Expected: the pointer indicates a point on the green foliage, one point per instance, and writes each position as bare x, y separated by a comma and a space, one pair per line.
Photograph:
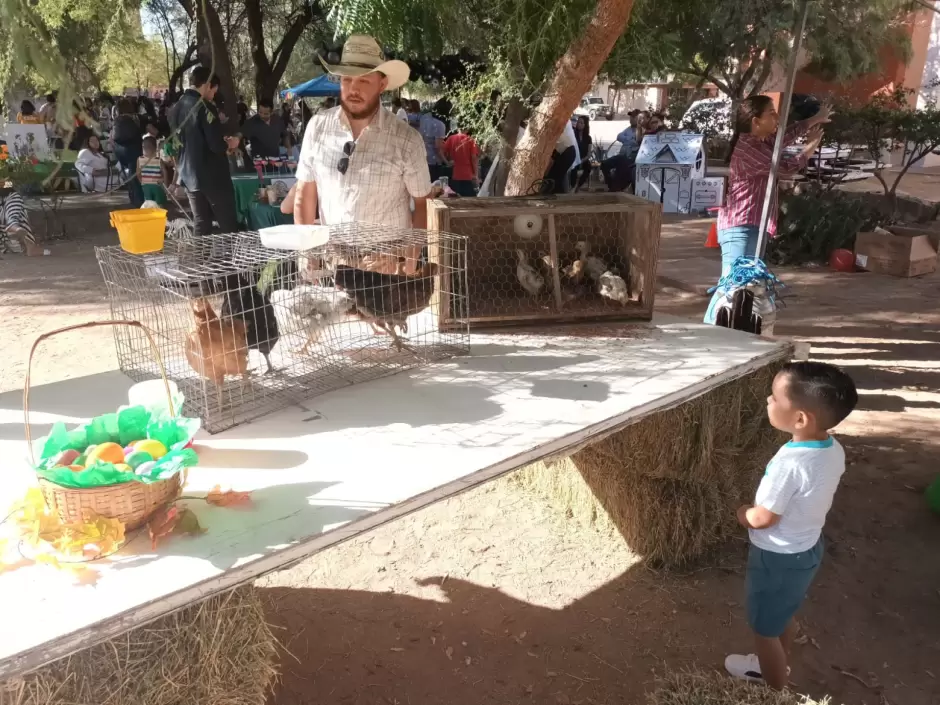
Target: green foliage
816, 221
734, 43
887, 128
59, 44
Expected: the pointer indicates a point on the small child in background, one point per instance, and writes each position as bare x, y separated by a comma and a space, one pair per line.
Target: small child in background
149, 172
786, 520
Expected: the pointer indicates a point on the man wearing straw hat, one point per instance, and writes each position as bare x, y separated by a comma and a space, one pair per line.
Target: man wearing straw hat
358, 162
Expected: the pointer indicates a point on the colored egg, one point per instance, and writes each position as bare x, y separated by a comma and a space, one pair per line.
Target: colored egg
67, 457
76, 468
128, 450
137, 458
81, 460
145, 468
123, 467
155, 448
106, 453
90, 448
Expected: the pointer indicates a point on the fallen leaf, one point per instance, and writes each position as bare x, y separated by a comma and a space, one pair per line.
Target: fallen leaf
162, 525
229, 498
449, 651
801, 639
468, 660
47, 559
187, 524
396, 649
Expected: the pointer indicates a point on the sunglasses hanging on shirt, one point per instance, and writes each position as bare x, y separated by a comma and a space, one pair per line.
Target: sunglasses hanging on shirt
343, 165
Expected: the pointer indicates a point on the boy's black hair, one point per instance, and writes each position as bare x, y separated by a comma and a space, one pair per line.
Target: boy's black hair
822, 389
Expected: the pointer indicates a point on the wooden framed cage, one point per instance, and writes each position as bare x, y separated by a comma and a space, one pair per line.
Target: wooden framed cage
565, 258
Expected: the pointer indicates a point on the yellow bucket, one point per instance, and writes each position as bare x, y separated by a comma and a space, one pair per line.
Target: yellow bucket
140, 231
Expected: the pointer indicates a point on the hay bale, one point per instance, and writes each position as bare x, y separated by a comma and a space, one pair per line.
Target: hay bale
712, 688
670, 482
218, 652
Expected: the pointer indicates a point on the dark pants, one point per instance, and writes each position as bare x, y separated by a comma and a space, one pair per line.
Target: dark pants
558, 172
127, 157
438, 170
214, 204
618, 171
580, 174
463, 188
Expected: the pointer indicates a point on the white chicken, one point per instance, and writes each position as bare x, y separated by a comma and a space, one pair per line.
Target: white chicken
309, 310
528, 276
595, 267
613, 287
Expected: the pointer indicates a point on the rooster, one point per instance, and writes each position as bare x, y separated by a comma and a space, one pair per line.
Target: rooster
386, 300
242, 301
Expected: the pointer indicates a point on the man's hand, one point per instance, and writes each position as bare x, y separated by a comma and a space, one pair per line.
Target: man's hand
742, 515
232, 141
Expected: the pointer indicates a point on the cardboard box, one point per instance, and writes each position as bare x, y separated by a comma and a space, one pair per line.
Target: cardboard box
901, 255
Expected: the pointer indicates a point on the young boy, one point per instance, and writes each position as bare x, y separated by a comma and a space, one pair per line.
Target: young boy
786, 520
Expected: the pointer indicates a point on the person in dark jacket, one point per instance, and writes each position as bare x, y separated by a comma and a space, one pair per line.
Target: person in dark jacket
126, 135
202, 162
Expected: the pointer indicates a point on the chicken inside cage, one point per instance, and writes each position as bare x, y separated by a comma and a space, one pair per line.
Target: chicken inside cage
245, 330
566, 263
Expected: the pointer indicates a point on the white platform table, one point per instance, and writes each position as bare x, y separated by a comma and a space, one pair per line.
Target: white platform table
348, 461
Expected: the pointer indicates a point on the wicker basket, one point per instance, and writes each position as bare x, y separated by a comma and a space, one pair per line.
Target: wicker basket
133, 503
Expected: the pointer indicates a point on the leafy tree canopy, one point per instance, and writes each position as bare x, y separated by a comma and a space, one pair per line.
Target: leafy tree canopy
735, 43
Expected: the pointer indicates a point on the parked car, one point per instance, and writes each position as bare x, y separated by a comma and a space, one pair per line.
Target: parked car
594, 108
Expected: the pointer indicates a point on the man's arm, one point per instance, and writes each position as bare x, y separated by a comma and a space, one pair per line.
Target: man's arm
211, 127
419, 219
305, 203
439, 148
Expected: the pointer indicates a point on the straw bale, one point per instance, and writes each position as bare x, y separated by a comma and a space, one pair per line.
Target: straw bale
713, 688
218, 652
670, 482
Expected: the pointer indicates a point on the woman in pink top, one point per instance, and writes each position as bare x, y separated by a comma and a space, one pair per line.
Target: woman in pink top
739, 219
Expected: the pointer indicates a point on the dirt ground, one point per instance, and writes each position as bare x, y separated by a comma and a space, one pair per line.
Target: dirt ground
494, 597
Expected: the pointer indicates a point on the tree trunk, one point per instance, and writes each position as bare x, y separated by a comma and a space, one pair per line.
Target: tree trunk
268, 72
213, 52
515, 112
570, 80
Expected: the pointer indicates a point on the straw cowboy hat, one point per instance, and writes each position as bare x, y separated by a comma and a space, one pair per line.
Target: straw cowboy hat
362, 55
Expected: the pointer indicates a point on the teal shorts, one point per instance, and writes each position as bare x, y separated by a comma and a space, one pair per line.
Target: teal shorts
776, 586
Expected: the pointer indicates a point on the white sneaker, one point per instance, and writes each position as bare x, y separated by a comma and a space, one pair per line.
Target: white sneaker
744, 667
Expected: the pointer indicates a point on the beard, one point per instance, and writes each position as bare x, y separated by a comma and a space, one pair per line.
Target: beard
361, 111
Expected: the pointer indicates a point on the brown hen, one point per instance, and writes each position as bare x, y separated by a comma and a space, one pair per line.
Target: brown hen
216, 348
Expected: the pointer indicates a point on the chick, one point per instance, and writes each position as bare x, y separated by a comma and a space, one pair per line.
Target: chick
548, 272
528, 277
595, 267
613, 287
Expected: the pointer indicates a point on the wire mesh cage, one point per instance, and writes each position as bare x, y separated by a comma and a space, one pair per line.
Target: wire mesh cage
245, 330
557, 258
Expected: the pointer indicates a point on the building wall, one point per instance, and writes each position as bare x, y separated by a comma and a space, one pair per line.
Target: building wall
922, 27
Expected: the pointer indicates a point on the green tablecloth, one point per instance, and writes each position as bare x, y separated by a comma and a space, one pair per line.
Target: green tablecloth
262, 215
246, 193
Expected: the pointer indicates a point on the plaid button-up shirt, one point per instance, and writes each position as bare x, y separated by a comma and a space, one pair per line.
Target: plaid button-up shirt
387, 168
747, 182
